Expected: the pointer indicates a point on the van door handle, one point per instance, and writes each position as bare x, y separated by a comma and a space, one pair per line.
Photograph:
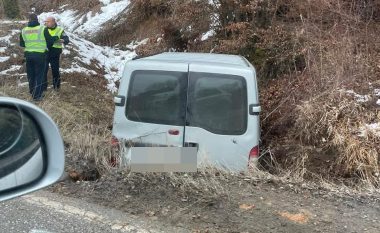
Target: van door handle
191, 144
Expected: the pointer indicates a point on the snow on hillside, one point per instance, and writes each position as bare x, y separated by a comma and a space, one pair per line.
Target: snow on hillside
373, 128
8, 36
7, 39
111, 60
83, 55
77, 26
90, 23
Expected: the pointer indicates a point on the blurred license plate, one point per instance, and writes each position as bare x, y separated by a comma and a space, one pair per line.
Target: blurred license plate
164, 159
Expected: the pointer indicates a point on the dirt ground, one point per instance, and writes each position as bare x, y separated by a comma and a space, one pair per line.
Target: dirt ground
245, 205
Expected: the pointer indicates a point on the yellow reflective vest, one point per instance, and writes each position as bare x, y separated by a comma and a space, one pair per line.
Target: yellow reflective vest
34, 38
56, 32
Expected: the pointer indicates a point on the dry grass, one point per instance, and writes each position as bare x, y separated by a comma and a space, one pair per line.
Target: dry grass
45, 6
84, 121
323, 140
205, 185
331, 119
332, 128
87, 143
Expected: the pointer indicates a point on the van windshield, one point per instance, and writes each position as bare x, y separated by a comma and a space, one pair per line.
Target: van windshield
157, 97
218, 103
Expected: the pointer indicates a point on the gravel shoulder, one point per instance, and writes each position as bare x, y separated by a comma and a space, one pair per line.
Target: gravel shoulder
245, 205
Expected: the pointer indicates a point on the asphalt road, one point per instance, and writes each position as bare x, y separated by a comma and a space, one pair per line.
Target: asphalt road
45, 212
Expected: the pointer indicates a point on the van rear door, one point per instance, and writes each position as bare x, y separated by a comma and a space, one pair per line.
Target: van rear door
218, 120
155, 105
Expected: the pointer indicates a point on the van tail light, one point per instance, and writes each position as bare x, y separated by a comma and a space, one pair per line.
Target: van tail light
114, 141
112, 161
254, 153
253, 156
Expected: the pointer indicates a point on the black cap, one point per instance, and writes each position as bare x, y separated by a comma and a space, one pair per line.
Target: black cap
33, 18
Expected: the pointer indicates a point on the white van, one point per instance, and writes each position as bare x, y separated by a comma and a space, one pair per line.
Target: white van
207, 101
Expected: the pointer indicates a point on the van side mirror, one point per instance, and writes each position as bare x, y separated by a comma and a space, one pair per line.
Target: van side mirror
31, 149
254, 109
119, 100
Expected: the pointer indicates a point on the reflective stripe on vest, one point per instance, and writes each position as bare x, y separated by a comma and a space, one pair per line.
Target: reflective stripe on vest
57, 32
34, 39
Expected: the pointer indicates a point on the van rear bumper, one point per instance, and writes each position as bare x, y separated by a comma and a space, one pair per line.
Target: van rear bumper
131, 144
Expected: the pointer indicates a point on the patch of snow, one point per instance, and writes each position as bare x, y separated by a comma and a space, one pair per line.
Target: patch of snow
3, 49
359, 98
112, 87
108, 12
89, 23
105, 2
78, 69
134, 44
6, 21
13, 22
11, 69
66, 52
110, 59
15, 31
4, 59
23, 84
373, 128
7, 38
207, 35
377, 92
378, 102
63, 6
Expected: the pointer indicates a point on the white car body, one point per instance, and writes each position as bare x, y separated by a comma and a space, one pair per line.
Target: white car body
209, 101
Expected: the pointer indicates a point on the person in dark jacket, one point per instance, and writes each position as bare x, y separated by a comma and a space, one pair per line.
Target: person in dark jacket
37, 41
54, 53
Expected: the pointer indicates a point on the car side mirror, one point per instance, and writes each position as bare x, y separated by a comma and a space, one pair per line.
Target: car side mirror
31, 149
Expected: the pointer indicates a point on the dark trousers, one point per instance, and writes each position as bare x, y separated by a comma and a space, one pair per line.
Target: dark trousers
35, 69
54, 63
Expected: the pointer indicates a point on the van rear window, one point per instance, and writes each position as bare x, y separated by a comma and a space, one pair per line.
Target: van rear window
157, 97
218, 103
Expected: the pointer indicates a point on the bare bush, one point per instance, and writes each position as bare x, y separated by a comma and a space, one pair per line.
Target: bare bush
333, 128
324, 137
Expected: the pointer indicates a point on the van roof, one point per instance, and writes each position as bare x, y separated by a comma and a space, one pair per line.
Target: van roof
212, 58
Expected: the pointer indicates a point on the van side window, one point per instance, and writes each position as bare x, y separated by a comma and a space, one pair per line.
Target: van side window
218, 103
157, 97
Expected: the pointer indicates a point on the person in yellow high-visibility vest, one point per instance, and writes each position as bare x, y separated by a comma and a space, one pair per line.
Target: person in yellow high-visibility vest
37, 41
54, 53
